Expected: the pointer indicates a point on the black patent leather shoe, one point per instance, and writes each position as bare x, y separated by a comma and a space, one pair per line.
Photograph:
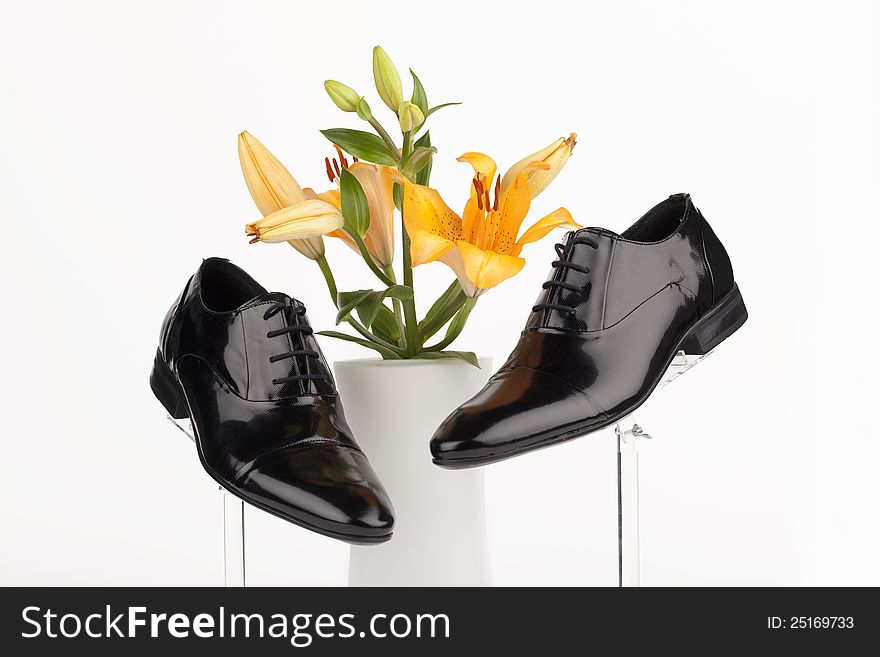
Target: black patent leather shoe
611, 317
243, 365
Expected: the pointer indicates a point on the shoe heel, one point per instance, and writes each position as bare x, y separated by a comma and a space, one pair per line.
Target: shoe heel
717, 326
167, 390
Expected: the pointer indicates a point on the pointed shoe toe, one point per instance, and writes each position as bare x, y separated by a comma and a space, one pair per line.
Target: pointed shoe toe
328, 488
511, 414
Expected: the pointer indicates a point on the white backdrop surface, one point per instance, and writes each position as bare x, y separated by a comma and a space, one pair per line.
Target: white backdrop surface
118, 172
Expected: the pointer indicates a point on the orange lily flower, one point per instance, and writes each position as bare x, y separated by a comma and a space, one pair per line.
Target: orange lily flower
481, 246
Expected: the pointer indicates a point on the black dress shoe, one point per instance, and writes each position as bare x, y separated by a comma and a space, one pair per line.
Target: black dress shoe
243, 364
611, 317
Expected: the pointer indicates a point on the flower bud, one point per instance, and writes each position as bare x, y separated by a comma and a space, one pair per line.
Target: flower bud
342, 95
387, 79
363, 110
270, 183
417, 161
308, 219
409, 115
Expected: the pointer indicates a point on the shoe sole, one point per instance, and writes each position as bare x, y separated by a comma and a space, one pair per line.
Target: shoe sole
708, 332
169, 394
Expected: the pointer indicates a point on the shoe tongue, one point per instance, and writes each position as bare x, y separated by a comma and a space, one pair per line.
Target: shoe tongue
591, 230
274, 297
284, 300
269, 297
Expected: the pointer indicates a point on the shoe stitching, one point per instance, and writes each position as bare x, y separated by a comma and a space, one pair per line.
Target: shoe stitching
573, 331
607, 280
295, 443
246, 468
706, 258
229, 388
247, 365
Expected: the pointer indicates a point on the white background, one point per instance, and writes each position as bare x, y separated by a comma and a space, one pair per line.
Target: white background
119, 172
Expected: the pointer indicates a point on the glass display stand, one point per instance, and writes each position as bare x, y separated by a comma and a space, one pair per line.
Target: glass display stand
233, 524
628, 434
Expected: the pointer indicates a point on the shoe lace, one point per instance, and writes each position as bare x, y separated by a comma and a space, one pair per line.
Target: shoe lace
563, 251
301, 329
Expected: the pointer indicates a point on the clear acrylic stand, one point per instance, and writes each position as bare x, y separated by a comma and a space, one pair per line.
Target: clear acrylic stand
233, 524
628, 434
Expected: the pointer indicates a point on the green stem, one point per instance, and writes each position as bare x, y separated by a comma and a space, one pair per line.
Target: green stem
368, 258
357, 326
456, 326
328, 276
413, 337
395, 151
407, 143
398, 309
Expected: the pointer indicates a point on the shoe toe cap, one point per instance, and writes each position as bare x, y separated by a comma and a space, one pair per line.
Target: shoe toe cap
518, 409
327, 487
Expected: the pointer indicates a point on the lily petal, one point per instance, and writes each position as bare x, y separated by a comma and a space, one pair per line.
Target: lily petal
454, 261
311, 247
378, 186
473, 219
504, 223
483, 165
424, 211
270, 184
553, 157
560, 218
331, 196
485, 268
426, 247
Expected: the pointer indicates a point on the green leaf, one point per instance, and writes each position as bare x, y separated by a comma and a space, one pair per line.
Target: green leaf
387, 354
423, 177
368, 302
385, 325
467, 356
355, 209
363, 145
439, 107
449, 303
369, 308
458, 321
419, 97
348, 301
402, 292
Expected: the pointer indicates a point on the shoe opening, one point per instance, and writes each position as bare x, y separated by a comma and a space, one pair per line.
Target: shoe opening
661, 221
225, 287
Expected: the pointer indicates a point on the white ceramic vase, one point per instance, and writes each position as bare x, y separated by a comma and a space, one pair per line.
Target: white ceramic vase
393, 408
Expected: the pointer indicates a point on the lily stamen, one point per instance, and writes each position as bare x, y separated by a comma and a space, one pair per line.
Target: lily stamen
330, 174
478, 187
342, 160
